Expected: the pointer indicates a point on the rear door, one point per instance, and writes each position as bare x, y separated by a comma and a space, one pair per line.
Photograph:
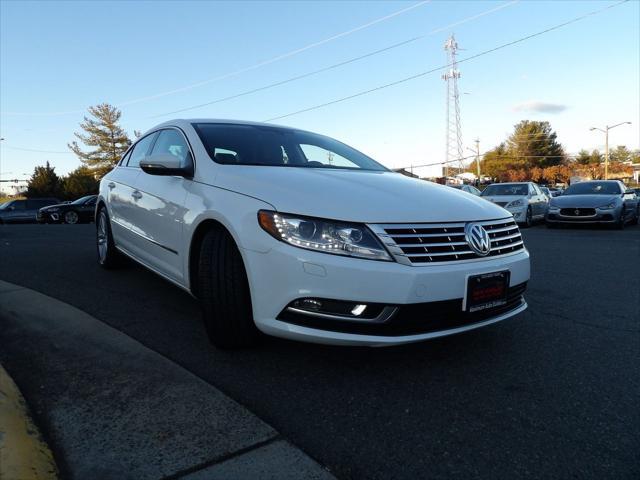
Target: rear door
122, 196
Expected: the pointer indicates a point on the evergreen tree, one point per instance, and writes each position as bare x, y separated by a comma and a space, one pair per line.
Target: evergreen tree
535, 144
80, 182
43, 183
102, 132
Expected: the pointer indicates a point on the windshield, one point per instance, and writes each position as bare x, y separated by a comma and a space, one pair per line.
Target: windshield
516, 189
593, 188
280, 147
5, 205
81, 200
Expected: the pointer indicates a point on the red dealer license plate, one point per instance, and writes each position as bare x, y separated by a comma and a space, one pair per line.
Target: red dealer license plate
488, 290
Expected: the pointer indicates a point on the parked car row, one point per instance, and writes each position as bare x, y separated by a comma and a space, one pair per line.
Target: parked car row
596, 202
48, 210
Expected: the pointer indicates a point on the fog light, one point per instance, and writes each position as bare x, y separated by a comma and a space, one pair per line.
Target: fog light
358, 310
308, 304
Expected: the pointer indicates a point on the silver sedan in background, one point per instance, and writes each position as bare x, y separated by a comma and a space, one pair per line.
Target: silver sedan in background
599, 201
524, 200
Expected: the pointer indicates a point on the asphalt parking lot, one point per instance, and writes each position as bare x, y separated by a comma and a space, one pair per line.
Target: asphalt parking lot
551, 393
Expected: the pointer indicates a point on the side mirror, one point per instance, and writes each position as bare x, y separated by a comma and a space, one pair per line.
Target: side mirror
629, 191
11, 208
167, 165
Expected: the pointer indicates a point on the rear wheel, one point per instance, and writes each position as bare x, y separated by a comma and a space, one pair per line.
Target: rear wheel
223, 289
71, 217
108, 255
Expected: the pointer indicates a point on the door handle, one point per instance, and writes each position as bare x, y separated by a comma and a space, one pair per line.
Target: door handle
136, 194
111, 185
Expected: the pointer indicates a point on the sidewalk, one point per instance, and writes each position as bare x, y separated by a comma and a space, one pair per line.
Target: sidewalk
114, 409
23, 452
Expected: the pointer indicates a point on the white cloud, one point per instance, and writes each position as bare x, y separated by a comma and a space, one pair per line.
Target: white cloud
539, 107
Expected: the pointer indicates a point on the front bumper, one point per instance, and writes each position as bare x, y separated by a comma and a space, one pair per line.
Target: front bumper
286, 273
47, 217
600, 216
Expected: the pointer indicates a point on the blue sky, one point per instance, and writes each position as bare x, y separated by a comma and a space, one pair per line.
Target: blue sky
57, 58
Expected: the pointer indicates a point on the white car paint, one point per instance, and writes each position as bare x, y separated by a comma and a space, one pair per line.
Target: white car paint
154, 219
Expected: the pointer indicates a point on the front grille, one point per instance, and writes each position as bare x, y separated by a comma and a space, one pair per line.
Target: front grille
578, 212
423, 243
414, 319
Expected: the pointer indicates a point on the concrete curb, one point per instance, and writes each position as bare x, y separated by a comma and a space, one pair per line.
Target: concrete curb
115, 409
23, 452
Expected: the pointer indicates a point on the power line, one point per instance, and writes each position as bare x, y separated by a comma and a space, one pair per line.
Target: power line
245, 69
422, 74
34, 150
340, 64
483, 154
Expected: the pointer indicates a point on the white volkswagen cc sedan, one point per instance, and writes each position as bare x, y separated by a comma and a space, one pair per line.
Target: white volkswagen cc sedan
297, 235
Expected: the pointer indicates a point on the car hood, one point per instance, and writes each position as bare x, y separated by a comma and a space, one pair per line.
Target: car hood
57, 205
593, 201
360, 196
505, 198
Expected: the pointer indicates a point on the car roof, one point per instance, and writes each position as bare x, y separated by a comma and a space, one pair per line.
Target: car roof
184, 122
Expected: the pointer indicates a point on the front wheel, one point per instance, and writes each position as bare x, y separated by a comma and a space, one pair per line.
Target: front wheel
224, 293
528, 219
108, 255
71, 217
621, 221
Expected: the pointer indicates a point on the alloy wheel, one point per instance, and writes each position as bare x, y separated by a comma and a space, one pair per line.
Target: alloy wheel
102, 237
71, 217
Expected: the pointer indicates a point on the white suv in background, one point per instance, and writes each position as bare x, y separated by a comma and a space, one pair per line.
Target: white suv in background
297, 235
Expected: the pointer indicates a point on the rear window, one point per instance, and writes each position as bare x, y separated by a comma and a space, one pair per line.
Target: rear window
519, 189
281, 147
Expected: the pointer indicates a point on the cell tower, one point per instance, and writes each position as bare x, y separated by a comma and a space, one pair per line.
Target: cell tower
454, 132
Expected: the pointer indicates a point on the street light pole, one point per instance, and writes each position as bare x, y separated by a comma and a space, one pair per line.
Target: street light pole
606, 144
477, 152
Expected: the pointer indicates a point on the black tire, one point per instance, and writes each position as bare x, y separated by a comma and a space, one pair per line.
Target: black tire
71, 217
108, 257
224, 293
528, 219
621, 221
637, 219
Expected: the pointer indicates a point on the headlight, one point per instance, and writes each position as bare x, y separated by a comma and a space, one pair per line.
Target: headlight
516, 203
328, 236
608, 206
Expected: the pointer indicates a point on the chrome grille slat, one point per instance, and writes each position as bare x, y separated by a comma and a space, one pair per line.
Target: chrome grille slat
425, 243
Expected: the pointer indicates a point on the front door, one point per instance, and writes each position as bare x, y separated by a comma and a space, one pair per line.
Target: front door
160, 209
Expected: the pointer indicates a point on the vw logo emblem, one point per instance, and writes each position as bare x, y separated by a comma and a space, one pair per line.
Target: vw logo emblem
576, 211
478, 239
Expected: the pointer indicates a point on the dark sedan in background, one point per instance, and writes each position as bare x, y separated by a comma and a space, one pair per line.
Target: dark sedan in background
23, 211
600, 201
79, 211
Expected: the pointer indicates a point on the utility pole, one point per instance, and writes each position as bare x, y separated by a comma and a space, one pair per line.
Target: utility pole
606, 144
454, 131
477, 152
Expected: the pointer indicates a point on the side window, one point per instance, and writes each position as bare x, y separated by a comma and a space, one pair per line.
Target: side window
125, 159
325, 157
19, 205
173, 143
140, 150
